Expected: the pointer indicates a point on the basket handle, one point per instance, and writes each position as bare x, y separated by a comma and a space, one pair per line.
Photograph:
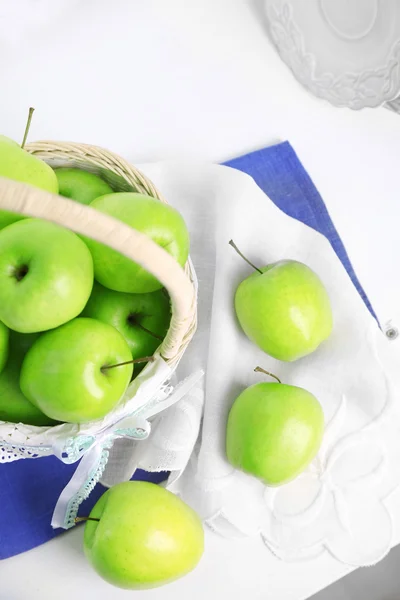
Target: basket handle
34, 202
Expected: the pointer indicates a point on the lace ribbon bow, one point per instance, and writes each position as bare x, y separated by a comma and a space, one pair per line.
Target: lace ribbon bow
93, 450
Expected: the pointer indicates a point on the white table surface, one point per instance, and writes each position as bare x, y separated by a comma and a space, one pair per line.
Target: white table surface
165, 79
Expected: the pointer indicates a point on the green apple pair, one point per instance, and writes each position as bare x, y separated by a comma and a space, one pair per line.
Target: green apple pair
275, 430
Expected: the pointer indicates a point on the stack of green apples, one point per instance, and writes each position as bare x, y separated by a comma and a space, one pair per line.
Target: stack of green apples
76, 317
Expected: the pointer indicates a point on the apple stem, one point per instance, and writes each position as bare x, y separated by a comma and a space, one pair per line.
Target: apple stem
81, 519
232, 243
261, 370
145, 359
27, 127
143, 328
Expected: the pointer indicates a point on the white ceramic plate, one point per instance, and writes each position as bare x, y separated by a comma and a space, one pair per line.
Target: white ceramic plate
346, 51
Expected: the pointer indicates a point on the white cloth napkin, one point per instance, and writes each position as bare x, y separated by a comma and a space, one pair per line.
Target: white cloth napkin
338, 503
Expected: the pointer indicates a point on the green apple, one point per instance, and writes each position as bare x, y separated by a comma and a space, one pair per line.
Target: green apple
14, 407
162, 223
142, 536
143, 319
274, 431
285, 309
7, 217
67, 373
4, 345
80, 185
17, 164
46, 275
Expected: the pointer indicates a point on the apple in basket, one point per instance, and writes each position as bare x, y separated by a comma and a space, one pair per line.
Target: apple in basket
4, 345
17, 164
143, 319
46, 275
151, 217
140, 535
274, 431
14, 406
284, 309
78, 371
79, 185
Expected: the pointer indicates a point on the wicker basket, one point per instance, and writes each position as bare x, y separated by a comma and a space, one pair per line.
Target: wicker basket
123, 177
22, 441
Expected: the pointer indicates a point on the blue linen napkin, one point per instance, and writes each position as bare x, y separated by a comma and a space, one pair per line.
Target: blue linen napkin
29, 488
279, 173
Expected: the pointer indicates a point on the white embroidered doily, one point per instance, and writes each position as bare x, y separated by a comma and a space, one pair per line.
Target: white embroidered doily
339, 502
